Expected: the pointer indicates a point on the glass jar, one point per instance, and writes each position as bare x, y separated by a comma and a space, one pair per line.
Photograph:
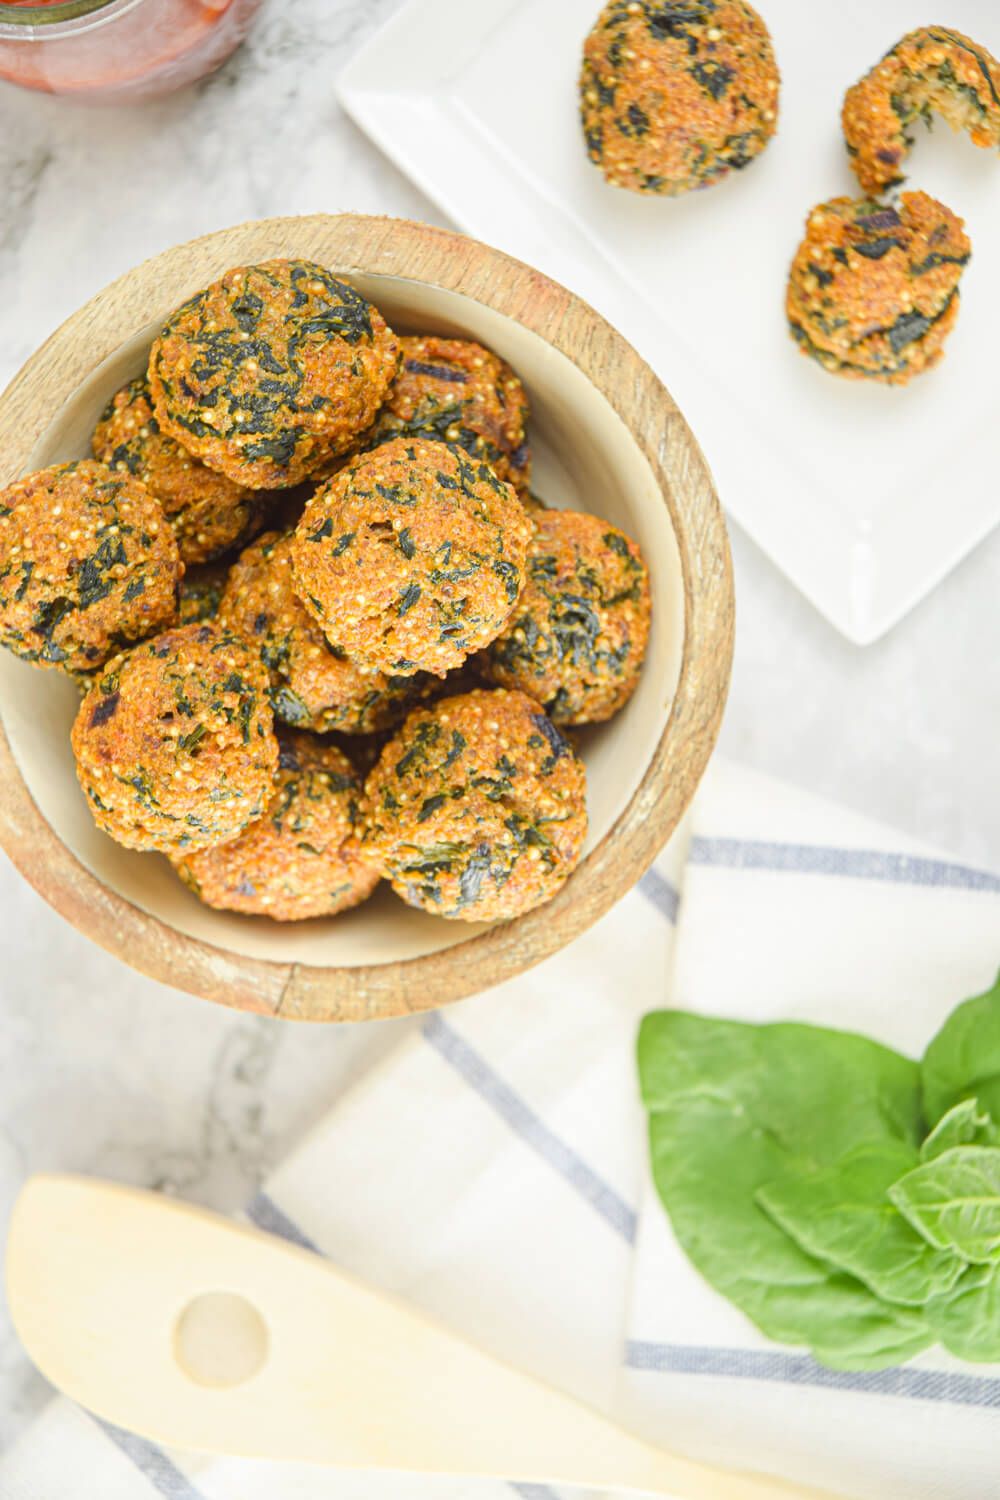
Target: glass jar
108, 50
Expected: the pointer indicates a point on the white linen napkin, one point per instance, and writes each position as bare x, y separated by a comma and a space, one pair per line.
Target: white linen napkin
493, 1170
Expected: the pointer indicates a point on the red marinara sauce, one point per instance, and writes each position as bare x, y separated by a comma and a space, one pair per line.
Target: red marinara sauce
107, 50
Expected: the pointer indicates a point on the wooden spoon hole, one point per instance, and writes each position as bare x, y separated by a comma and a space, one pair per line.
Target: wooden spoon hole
221, 1340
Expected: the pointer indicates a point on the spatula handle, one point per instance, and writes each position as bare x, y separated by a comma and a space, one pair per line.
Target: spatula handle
204, 1335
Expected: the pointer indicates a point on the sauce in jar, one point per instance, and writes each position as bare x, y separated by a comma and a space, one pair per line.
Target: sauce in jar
118, 49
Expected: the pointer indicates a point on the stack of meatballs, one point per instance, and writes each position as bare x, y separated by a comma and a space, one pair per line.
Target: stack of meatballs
325, 634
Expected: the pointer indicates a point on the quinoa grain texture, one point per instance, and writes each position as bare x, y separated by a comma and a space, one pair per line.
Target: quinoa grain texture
455, 391
208, 512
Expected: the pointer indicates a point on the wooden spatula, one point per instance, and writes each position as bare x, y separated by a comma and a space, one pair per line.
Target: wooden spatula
203, 1335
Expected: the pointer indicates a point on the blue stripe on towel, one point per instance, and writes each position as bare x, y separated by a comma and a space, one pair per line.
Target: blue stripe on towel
855, 864
162, 1473
657, 889
513, 1110
265, 1213
950, 1387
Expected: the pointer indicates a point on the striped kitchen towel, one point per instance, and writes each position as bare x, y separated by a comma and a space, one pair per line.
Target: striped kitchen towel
493, 1170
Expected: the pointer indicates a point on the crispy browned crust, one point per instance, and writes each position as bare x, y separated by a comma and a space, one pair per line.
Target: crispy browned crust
458, 392
208, 512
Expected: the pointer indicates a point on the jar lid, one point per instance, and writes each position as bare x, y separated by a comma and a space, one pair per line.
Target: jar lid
49, 12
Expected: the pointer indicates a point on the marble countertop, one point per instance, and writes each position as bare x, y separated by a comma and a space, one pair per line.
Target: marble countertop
104, 1071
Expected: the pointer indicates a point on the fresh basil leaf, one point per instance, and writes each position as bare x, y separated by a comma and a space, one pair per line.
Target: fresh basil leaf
967, 1320
963, 1060
822, 1092
877, 1344
707, 1172
954, 1201
734, 1107
964, 1125
843, 1215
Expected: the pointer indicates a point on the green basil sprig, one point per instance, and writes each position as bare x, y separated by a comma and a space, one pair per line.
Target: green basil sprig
954, 1201
964, 1125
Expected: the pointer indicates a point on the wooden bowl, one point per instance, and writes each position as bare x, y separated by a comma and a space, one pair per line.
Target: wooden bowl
607, 437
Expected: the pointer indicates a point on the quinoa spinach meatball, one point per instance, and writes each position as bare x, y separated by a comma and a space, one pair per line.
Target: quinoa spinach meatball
674, 94
313, 685
174, 743
88, 565
270, 371
412, 557
461, 393
933, 69
208, 512
301, 858
578, 635
873, 291
476, 808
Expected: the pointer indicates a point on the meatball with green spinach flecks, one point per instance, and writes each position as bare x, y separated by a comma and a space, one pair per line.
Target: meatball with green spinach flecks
301, 858
313, 684
412, 557
933, 70
88, 564
476, 808
578, 636
873, 291
271, 371
457, 392
675, 94
174, 743
208, 512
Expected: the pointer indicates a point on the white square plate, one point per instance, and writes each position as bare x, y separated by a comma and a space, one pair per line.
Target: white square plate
864, 495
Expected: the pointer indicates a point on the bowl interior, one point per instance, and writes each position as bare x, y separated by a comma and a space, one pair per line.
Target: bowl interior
585, 458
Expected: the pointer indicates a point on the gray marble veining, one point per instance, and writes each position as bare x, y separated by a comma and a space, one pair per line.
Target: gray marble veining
105, 1071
